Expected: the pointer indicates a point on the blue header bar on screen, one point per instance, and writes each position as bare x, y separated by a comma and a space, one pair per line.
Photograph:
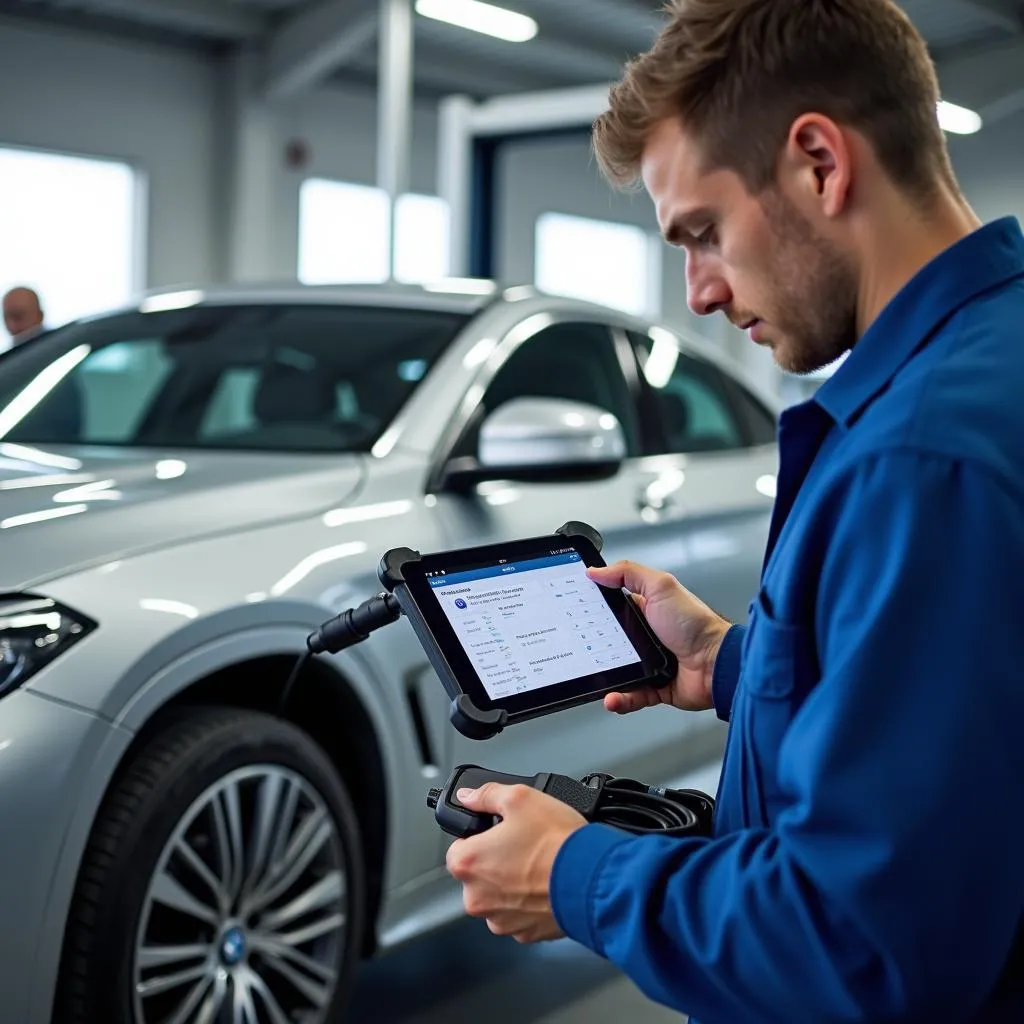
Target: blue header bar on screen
489, 571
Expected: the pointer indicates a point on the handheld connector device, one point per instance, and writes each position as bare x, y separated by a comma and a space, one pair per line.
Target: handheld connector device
622, 803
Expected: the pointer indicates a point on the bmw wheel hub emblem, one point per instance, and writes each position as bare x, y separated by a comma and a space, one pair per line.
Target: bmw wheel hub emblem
232, 947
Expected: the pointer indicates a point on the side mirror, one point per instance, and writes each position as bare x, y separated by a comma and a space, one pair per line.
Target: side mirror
543, 439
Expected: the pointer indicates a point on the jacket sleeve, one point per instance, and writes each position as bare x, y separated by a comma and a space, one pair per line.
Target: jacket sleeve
726, 675
889, 887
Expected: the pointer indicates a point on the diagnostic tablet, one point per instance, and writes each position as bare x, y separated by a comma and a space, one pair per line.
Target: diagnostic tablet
518, 630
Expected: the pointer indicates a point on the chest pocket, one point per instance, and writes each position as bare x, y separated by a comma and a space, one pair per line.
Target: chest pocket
780, 669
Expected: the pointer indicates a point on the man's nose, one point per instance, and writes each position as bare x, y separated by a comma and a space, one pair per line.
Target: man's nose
706, 291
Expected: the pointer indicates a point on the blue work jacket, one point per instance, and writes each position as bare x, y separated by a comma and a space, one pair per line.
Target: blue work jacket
868, 857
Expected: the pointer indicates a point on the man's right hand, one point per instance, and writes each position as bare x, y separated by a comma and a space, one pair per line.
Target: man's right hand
685, 625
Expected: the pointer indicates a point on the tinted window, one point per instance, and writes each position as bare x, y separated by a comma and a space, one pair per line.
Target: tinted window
574, 361
287, 378
691, 399
761, 424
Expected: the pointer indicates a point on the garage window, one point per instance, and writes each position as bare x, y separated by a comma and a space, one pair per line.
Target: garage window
617, 265
70, 229
344, 231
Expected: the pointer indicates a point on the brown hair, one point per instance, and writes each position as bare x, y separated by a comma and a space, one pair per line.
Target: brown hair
740, 72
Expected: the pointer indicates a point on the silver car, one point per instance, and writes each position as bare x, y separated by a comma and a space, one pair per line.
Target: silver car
187, 489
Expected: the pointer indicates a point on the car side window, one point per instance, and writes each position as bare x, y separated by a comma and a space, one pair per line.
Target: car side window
691, 399
576, 362
761, 423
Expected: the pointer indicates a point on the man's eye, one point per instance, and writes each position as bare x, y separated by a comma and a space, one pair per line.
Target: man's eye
707, 237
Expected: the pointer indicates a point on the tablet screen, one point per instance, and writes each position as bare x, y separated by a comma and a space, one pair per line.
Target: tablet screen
532, 623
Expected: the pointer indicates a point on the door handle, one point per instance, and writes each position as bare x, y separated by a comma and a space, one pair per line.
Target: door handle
660, 496
656, 506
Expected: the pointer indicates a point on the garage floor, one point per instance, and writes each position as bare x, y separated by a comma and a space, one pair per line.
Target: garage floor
464, 975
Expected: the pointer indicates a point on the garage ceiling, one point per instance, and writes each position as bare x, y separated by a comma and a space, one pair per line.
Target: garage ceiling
579, 41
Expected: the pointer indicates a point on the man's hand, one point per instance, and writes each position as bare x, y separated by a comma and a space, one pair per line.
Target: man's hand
506, 871
685, 625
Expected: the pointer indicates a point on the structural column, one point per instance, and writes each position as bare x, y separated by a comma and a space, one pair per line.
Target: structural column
249, 177
395, 85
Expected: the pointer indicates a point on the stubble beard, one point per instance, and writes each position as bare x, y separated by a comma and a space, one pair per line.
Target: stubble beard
815, 316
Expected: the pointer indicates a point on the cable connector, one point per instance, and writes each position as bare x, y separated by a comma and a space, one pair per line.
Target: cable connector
354, 625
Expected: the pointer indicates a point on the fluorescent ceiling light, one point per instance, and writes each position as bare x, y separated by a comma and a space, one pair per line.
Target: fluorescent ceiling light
958, 120
480, 17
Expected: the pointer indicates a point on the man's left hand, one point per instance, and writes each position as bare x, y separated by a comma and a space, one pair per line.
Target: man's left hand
506, 871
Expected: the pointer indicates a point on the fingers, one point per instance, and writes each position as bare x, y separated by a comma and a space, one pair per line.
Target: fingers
636, 578
491, 798
626, 703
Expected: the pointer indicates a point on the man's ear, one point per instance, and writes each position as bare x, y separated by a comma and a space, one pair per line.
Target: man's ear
817, 160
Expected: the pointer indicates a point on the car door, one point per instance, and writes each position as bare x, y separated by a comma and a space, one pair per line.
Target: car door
588, 362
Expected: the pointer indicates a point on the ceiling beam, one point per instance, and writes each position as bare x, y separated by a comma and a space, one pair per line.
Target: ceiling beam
1005, 14
312, 46
539, 110
213, 18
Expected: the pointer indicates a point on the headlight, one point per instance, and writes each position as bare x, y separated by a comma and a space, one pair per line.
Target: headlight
34, 631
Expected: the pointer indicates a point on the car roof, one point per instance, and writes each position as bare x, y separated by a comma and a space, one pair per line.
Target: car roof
454, 295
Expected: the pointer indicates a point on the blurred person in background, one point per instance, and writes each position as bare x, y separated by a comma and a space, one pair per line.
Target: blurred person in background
23, 315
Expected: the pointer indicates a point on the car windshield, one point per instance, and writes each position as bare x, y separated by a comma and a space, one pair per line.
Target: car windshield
268, 378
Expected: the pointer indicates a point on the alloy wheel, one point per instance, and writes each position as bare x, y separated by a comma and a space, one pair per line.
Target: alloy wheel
245, 916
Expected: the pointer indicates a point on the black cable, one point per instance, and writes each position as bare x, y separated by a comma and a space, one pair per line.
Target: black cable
349, 628
300, 664
639, 809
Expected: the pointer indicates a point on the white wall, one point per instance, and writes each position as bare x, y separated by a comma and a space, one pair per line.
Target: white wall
150, 107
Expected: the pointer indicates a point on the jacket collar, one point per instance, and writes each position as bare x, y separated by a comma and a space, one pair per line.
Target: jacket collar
987, 258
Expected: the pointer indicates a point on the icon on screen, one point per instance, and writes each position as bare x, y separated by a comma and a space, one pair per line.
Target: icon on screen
461, 604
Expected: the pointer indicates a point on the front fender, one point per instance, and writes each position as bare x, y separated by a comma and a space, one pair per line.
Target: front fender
153, 682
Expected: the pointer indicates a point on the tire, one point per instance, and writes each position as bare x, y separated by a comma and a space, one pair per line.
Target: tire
207, 769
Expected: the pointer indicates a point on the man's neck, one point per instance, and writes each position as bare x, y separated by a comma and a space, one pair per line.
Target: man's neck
908, 240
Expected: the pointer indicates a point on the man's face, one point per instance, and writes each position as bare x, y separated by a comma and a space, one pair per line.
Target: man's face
757, 259
21, 312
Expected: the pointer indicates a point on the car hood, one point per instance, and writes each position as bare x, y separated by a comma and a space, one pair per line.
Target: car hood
62, 510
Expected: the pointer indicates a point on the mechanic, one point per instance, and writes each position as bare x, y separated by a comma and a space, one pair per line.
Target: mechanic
868, 856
